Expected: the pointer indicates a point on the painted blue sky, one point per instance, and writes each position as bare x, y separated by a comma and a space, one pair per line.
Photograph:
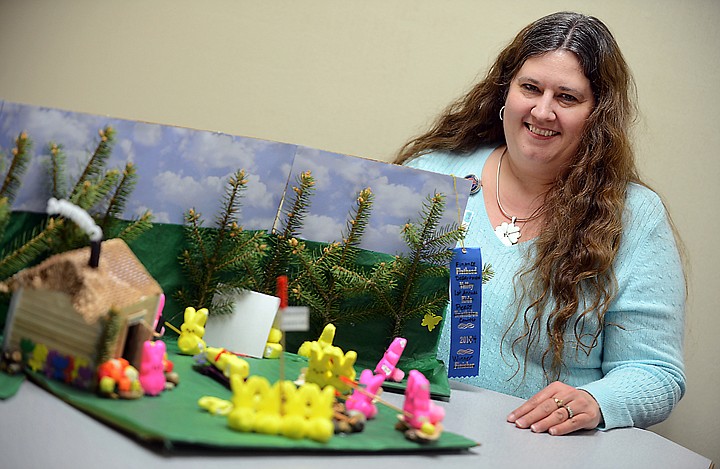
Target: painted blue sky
180, 168
399, 193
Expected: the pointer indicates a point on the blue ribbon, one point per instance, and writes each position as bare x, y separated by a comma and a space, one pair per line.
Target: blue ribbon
465, 306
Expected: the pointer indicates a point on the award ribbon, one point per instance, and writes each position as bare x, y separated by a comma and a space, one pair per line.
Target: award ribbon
465, 306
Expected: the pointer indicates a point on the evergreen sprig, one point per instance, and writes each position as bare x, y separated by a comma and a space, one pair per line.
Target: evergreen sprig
280, 244
4, 215
18, 166
317, 285
13, 178
136, 227
487, 273
94, 188
57, 170
89, 195
116, 203
92, 193
108, 337
216, 259
26, 249
118, 199
103, 193
398, 288
96, 164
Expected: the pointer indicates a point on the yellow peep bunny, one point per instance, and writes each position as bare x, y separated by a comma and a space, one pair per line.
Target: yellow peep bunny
192, 331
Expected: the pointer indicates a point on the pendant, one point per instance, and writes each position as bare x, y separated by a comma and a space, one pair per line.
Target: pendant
508, 233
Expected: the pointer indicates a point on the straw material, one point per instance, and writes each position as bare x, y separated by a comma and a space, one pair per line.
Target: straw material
119, 281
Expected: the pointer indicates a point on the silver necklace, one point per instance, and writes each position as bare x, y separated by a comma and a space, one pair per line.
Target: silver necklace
508, 233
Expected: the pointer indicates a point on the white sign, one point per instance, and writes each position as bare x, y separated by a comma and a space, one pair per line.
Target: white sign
246, 329
294, 318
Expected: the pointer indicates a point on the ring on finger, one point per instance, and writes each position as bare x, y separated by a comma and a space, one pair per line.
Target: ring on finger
569, 410
558, 402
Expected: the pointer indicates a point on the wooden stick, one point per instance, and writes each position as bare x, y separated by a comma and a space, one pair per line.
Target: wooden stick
282, 293
172, 327
375, 397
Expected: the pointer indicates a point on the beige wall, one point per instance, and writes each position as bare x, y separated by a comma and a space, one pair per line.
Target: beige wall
361, 77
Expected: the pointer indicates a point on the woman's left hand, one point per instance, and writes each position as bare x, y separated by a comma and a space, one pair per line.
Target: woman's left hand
558, 409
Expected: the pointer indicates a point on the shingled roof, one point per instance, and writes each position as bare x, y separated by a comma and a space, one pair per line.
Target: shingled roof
120, 279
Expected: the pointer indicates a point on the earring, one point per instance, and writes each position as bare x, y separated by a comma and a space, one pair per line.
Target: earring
502, 111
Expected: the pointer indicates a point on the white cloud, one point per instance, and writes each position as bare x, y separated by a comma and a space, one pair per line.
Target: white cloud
160, 217
313, 161
385, 238
157, 217
46, 125
359, 168
322, 228
396, 200
186, 192
147, 134
257, 194
126, 147
215, 150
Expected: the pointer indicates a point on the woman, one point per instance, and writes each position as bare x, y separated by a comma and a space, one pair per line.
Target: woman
584, 316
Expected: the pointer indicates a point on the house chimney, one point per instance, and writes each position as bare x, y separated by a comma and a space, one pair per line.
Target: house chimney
83, 220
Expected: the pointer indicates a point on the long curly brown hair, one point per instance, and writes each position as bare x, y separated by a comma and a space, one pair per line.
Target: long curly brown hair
573, 254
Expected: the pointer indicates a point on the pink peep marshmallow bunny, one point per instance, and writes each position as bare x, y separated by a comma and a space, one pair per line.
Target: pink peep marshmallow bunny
361, 400
387, 366
418, 407
152, 372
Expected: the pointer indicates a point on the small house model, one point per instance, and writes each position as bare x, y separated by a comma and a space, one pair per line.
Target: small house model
67, 317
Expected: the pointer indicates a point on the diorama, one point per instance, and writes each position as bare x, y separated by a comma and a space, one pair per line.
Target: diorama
276, 288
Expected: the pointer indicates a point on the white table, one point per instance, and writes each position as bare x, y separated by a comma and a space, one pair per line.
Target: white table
38, 430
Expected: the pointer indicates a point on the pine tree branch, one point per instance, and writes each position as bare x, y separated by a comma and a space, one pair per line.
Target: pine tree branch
92, 187
279, 262
216, 257
356, 225
109, 334
18, 166
5, 212
137, 227
118, 199
398, 289
487, 273
224, 224
57, 171
97, 161
30, 249
242, 250
318, 282
193, 225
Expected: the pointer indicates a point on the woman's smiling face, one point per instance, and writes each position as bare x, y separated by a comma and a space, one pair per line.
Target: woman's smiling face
547, 106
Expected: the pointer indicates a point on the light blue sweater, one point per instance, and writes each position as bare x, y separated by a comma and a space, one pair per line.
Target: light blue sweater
636, 371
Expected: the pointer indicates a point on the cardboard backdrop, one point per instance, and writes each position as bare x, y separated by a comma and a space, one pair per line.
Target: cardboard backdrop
180, 168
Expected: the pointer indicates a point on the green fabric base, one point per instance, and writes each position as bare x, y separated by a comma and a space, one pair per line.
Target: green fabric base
174, 418
9, 385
